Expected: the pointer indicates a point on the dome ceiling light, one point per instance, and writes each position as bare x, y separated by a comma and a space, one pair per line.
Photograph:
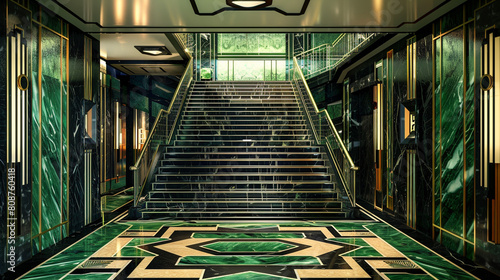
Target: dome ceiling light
249, 4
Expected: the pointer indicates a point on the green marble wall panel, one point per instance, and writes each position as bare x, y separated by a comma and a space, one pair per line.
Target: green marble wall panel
64, 135
139, 102
51, 237
452, 137
437, 131
156, 107
51, 20
450, 241
35, 130
50, 161
469, 132
452, 19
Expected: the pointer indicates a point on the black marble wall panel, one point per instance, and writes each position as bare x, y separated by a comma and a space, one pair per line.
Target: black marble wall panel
3, 136
486, 253
96, 180
399, 151
76, 130
423, 165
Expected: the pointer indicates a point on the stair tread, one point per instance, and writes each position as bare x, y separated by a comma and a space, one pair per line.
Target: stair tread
245, 159
266, 191
246, 182
248, 166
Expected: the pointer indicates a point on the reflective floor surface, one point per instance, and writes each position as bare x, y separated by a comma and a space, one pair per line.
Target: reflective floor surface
256, 250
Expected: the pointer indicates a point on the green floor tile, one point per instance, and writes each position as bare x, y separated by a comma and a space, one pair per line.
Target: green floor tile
249, 235
145, 241
404, 276
73, 256
93, 276
256, 246
250, 275
133, 252
249, 260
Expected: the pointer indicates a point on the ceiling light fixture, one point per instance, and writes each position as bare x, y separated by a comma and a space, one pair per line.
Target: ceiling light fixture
153, 50
249, 4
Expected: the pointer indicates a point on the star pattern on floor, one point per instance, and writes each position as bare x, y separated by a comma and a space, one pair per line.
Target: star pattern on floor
254, 252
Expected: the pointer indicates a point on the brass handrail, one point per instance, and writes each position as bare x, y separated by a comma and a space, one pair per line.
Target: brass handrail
333, 129
161, 114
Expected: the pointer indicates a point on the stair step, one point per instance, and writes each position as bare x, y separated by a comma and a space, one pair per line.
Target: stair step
174, 195
187, 170
243, 143
194, 178
239, 205
253, 149
243, 214
245, 118
246, 113
261, 184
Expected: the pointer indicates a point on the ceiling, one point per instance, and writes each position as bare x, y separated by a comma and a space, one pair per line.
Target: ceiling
120, 52
120, 25
282, 16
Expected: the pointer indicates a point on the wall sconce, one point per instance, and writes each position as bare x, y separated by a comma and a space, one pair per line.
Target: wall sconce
489, 123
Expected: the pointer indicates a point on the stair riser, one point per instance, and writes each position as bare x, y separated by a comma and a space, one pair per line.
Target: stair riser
203, 196
205, 170
250, 214
277, 143
250, 178
242, 205
239, 186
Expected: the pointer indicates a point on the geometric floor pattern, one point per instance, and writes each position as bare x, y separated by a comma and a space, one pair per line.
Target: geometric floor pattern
227, 250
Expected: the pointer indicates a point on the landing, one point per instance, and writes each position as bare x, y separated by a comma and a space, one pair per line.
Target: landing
263, 250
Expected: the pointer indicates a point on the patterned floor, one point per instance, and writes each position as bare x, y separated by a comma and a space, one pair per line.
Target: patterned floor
255, 251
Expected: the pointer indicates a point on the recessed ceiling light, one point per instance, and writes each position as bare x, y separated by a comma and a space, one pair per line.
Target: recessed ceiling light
249, 4
153, 50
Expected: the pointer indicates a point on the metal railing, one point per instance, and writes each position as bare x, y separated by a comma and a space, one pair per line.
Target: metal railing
160, 134
326, 134
328, 56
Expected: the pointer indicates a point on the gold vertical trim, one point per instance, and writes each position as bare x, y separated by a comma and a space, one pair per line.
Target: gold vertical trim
440, 135
433, 134
40, 133
67, 131
475, 106
465, 84
60, 130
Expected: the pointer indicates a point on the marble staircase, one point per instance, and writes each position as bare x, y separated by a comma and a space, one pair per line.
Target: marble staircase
243, 150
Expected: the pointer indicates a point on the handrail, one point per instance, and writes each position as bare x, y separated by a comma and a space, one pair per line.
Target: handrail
349, 183
163, 114
326, 57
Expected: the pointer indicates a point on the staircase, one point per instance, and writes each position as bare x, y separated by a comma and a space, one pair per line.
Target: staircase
243, 150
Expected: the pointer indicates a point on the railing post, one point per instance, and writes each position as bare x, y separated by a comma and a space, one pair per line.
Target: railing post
136, 184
